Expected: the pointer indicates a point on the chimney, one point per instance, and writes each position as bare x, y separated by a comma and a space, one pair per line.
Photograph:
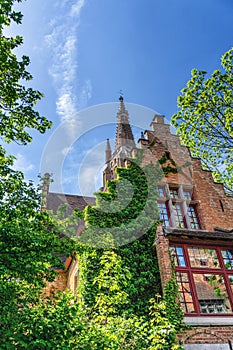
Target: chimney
158, 119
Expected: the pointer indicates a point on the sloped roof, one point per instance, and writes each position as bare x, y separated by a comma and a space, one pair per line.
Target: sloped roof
54, 200
206, 292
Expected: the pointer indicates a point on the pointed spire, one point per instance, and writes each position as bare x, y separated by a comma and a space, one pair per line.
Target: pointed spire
108, 152
122, 105
124, 135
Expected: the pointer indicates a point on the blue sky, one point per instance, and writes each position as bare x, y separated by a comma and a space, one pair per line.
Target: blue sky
83, 52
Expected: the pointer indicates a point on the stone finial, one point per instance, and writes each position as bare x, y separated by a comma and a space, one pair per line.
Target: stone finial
122, 108
45, 190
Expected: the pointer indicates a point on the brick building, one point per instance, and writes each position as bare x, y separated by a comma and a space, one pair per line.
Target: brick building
196, 231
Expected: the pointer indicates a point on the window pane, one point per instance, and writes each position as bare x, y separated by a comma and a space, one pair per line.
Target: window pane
186, 298
173, 192
193, 217
187, 194
227, 256
164, 213
212, 294
203, 257
161, 191
178, 215
177, 256
231, 281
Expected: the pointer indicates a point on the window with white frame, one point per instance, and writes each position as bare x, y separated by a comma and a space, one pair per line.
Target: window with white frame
164, 213
177, 206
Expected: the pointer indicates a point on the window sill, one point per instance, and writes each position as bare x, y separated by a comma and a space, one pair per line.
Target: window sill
206, 346
209, 321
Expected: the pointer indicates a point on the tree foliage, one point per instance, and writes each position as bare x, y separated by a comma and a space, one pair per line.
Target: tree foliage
28, 236
205, 119
17, 100
30, 247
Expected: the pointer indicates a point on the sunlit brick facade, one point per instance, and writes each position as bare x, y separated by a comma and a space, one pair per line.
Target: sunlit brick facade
196, 231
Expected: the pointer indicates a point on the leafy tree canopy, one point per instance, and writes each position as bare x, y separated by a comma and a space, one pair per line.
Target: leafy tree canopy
17, 101
205, 119
24, 235
29, 242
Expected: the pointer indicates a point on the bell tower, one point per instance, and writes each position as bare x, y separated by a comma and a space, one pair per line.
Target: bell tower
124, 144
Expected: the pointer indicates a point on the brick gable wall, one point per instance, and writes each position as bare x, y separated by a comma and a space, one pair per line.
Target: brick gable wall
215, 209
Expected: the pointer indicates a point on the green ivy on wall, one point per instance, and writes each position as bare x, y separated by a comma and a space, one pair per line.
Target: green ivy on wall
119, 280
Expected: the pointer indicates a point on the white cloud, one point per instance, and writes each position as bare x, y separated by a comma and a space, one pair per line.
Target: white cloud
63, 43
66, 106
85, 94
76, 8
22, 164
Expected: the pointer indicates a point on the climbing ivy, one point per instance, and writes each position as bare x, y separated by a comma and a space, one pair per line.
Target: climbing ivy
125, 209
170, 166
119, 282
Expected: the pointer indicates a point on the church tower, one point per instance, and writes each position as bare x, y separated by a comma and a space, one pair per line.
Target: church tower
124, 144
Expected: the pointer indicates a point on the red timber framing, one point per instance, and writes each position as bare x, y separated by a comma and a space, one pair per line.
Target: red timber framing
204, 273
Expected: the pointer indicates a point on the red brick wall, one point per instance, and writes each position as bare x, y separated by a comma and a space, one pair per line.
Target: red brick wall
60, 283
212, 213
162, 248
207, 335
208, 194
